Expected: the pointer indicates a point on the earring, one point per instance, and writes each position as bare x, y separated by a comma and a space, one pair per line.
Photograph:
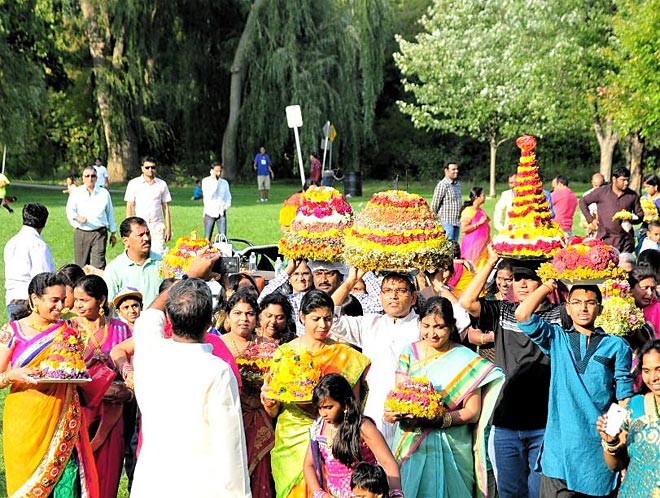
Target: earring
101, 311
345, 411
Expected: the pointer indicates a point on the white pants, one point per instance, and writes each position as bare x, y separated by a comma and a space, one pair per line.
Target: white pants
157, 230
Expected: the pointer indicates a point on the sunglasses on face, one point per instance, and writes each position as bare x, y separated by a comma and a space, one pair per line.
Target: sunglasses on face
89, 176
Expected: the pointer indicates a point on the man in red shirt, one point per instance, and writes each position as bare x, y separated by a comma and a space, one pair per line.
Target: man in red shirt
565, 203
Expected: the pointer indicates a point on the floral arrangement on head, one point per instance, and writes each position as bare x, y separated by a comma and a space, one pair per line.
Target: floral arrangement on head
583, 260
288, 210
178, 258
650, 210
397, 231
317, 231
66, 360
619, 316
292, 377
254, 364
415, 397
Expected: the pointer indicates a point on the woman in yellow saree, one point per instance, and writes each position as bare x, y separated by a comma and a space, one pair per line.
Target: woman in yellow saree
296, 417
446, 458
46, 448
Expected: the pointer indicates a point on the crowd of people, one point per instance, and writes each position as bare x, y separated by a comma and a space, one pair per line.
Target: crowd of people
525, 375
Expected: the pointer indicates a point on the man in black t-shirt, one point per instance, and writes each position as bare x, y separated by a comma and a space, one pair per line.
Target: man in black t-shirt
520, 415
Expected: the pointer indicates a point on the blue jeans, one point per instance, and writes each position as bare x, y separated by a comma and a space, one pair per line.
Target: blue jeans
513, 455
209, 221
452, 231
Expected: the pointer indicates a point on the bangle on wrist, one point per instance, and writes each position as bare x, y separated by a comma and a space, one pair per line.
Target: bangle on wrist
483, 339
446, 420
613, 447
396, 493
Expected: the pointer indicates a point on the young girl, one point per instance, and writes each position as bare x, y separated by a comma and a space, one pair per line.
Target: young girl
369, 481
339, 439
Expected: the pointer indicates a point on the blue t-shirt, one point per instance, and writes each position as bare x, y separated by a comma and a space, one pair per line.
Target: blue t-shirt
263, 164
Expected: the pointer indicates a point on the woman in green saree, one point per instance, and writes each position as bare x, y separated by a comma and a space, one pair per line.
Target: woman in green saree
446, 457
296, 413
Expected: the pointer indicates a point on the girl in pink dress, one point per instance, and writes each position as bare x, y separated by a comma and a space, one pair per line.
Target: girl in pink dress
340, 438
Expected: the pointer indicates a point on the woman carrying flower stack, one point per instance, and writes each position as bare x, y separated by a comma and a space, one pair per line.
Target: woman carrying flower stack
41, 457
475, 228
295, 369
446, 456
103, 398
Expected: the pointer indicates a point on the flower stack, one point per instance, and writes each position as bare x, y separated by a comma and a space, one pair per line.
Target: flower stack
317, 231
66, 359
177, 259
587, 261
530, 232
650, 210
254, 364
397, 231
620, 316
292, 377
415, 397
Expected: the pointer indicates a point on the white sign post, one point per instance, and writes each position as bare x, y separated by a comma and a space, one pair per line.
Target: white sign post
4, 159
294, 120
324, 142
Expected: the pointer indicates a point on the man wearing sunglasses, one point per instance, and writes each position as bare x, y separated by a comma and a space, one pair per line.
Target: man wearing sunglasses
89, 210
149, 198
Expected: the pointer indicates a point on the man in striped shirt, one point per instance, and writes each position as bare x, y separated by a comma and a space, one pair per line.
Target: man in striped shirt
447, 201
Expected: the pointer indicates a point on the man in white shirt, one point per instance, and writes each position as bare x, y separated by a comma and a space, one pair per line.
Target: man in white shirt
149, 198
200, 442
26, 254
102, 179
89, 210
503, 204
217, 200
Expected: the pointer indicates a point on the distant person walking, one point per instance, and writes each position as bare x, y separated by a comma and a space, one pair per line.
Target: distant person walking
102, 179
447, 201
149, 198
565, 203
263, 167
314, 169
89, 210
217, 200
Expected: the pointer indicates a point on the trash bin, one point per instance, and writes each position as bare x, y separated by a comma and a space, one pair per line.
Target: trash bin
353, 184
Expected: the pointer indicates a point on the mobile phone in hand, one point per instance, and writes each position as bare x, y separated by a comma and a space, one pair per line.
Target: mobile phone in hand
616, 415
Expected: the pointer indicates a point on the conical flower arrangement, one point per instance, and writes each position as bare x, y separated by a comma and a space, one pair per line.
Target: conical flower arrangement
530, 233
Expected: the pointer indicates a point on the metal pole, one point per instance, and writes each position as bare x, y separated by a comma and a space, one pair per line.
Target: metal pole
4, 159
300, 161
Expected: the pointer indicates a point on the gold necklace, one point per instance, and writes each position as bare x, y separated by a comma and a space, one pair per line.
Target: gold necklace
235, 347
31, 321
90, 336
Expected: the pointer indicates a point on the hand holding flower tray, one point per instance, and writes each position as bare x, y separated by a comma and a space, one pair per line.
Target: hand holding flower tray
415, 398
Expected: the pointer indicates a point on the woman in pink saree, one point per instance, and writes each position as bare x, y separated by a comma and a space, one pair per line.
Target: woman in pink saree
46, 448
475, 228
104, 397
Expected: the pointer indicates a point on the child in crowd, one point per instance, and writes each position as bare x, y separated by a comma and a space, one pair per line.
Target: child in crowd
4, 200
652, 239
70, 184
369, 481
197, 191
128, 304
339, 439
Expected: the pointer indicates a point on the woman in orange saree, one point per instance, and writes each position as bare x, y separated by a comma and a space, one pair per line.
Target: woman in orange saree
46, 448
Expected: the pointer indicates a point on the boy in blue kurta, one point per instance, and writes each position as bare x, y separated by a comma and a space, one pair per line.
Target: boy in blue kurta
590, 370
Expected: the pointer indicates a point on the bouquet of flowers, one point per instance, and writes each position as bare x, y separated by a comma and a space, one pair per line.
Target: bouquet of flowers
620, 316
584, 260
177, 259
650, 210
623, 215
317, 231
254, 364
292, 377
66, 359
397, 231
415, 397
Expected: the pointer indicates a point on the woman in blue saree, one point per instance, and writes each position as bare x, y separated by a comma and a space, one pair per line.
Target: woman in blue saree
446, 457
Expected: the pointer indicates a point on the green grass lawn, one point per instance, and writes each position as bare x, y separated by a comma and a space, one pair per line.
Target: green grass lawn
247, 219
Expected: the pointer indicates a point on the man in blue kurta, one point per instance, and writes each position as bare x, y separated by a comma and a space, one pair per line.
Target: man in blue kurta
590, 370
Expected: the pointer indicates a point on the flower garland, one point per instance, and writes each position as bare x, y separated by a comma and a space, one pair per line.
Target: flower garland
292, 377
317, 231
397, 231
415, 397
619, 316
623, 215
177, 259
583, 260
650, 210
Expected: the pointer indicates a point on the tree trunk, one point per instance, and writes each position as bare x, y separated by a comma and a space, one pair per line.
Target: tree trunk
636, 148
493, 156
122, 144
607, 140
238, 73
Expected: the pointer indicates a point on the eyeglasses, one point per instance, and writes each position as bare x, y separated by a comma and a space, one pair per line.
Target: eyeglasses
89, 176
149, 167
400, 291
589, 303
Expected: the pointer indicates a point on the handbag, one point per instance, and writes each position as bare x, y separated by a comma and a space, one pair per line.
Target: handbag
102, 376
221, 243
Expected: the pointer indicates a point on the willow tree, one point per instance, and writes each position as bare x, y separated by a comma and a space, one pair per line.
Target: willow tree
327, 56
